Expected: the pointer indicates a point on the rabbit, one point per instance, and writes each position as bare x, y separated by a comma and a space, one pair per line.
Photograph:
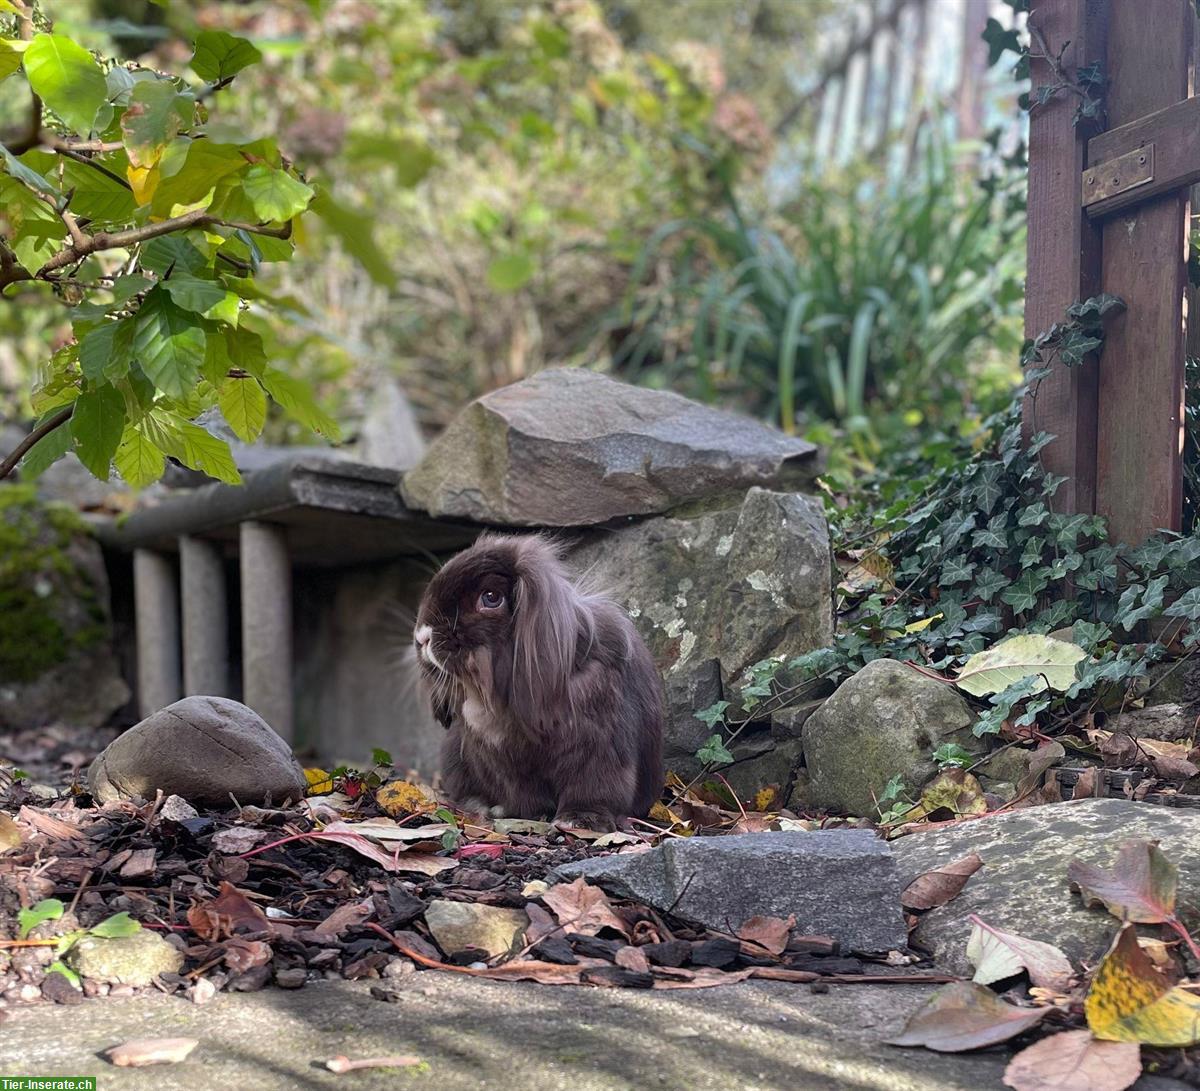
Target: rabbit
551, 698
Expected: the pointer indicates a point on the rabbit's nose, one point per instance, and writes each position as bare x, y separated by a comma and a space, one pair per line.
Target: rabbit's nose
421, 635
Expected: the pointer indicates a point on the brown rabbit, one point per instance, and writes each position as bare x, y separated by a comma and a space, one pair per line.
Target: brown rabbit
552, 701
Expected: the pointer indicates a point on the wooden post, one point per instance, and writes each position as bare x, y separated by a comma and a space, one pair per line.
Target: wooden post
1064, 249
1140, 454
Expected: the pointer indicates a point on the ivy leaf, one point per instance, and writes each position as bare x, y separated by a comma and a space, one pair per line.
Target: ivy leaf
1187, 605
988, 583
1000, 41
714, 752
275, 194
156, 114
1152, 599
1022, 594
66, 77
168, 344
138, 460
244, 406
97, 425
957, 570
219, 55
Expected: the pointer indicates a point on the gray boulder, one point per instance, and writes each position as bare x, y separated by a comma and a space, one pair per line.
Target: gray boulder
714, 592
389, 434
884, 721
570, 447
209, 750
127, 960
56, 641
839, 883
1023, 887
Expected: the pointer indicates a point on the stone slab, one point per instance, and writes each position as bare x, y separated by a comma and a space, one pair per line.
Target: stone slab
475, 1034
1022, 886
840, 883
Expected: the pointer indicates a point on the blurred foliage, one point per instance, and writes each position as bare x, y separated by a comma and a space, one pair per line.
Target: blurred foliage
123, 203
883, 306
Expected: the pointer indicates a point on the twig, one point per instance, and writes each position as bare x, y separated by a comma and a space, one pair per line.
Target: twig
43, 429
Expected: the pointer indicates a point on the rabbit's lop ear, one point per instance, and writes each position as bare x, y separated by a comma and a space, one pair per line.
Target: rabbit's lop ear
550, 618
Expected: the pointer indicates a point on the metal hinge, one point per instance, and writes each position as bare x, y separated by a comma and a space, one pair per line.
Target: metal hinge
1127, 172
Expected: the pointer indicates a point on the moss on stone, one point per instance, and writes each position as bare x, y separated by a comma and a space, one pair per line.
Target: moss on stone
36, 567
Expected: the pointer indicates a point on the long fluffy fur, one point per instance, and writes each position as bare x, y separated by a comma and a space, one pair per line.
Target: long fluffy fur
554, 707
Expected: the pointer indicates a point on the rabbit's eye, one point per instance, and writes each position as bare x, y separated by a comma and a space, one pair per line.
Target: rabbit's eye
491, 600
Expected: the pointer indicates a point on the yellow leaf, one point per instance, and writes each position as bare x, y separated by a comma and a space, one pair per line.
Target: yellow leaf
953, 790
319, 782
659, 813
766, 799
922, 625
399, 798
143, 181
1130, 1001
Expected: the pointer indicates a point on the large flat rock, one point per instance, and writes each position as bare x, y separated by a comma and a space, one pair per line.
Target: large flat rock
570, 447
839, 883
1022, 886
479, 1034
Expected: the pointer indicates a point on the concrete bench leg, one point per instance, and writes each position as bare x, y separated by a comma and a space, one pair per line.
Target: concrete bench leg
205, 618
156, 606
267, 625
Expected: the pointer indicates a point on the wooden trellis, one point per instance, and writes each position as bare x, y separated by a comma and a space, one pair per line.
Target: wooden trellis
1109, 212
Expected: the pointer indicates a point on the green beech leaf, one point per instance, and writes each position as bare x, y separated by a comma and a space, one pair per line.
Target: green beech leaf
28, 175
356, 231
67, 79
97, 425
296, 399
156, 114
96, 196
138, 460
168, 344
10, 56
118, 926
47, 451
48, 909
203, 451
105, 352
205, 164
412, 159
219, 55
193, 294
275, 194
510, 272
244, 406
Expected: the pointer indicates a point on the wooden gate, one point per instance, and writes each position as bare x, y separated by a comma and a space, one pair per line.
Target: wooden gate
1109, 211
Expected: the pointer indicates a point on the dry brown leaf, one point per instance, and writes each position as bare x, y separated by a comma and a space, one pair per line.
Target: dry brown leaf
345, 916
633, 958
1074, 1061
938, 886
997, 954
1090, 784
244, 954
138, 1052
1041, 760
964, 1016
424, 863
342, 1064
769, 933
230, 911
582, 908
10, 833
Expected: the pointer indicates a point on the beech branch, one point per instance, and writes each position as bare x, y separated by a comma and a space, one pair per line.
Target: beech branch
44, 429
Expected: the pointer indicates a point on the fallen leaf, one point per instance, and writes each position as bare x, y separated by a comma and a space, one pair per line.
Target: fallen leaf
766, 799
401, 797
997, 954
492, 852
769, 933
319, 782
1130, 1001
345, 916
341, 1064
230, 911
245, 954
237, 839
1140, 887
424, 863
138, 1052
1041, 760
964, 1016
1048, 660
952, 790
616, 837
632, 958
388, 830
585, 909
1074, 1061
10, 833
1090, 784
938, 886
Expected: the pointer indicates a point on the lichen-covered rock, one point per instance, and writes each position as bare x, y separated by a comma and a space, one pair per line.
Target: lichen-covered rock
885, 721
209, 750
127, 960
570, 447
714, 591
56, 654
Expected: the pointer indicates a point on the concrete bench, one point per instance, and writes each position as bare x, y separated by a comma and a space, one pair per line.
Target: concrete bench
307, 513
